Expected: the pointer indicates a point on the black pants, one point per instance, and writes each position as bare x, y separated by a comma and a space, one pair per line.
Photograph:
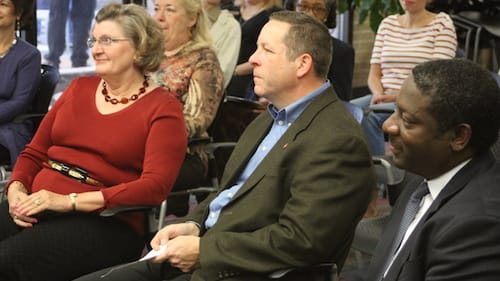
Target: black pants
61, 247
141, 271
146, 271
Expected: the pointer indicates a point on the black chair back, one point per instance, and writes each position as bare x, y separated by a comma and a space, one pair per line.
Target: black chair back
48, 82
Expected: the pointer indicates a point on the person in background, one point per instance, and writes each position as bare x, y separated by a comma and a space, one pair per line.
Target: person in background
80, 13
226, 36
295, 185
191, 70
138, 2
252, 15
402, 42
342, 68
111, 140
19, 78
442, 130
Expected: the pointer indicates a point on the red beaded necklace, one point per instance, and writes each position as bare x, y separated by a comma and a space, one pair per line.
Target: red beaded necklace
124, 100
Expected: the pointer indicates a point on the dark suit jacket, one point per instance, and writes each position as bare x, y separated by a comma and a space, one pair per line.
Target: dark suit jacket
459, 237
341, 69
302, 203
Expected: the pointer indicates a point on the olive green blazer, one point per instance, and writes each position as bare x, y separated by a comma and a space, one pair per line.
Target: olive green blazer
302, 203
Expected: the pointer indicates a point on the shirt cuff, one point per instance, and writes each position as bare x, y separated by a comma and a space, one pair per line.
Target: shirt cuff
195, 223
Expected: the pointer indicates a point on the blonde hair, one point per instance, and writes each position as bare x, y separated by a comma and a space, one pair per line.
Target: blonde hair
201, 35
143, 31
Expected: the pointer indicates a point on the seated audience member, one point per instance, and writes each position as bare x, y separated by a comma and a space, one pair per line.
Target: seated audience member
252, 15
226, 36
295, 186
342, 67
191, 70
112, 139
402, 41
19, 78
442, 130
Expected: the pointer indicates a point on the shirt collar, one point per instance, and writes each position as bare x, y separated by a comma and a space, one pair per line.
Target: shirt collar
438, 184
291, 112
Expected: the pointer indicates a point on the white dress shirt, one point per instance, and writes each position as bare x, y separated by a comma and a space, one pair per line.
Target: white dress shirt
435, 185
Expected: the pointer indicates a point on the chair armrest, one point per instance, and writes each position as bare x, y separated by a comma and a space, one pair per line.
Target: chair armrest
23, 117
3, 181
162, 208
134, 208
121, 209
394, 178
245, 102
382, 108
200, 140
212, 147
3, 174
194, 191
198, 190
393, 174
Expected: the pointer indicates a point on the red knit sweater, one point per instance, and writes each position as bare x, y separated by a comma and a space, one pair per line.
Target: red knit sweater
136, 152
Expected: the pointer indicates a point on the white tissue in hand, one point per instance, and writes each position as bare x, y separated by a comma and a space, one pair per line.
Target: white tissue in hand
153, 253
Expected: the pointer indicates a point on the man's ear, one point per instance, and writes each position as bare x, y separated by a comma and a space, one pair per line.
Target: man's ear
461, 137
304, 64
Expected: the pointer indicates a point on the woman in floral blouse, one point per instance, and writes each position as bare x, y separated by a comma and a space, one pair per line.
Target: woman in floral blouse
192, 71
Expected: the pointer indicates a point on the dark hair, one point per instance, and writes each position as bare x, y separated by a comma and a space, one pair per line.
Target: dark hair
331, 9
307, 35
24, 9
462, 92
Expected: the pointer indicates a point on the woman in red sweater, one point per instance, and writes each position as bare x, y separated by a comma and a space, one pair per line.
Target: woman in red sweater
112, 139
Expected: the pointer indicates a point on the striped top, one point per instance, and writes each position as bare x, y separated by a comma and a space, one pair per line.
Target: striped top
398, 49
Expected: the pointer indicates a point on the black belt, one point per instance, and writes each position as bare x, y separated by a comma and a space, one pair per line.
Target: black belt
76, 173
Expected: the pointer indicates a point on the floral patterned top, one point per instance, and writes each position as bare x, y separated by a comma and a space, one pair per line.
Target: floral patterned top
194, 74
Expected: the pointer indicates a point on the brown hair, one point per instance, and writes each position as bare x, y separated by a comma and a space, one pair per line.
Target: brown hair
307, 35
142, 30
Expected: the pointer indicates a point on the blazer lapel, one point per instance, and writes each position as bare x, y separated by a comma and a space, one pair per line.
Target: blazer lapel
382, 251
475, 167
245, 148
301, 124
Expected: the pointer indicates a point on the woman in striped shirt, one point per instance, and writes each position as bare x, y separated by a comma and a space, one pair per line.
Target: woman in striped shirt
402, 42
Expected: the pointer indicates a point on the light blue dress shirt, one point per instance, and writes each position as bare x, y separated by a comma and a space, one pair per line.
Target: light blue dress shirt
282, 120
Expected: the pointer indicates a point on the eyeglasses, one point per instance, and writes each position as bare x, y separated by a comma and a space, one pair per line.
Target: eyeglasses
104, 41
317, 10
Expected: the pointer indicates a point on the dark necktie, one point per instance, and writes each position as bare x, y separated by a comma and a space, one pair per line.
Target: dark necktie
409, 215
410, 212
